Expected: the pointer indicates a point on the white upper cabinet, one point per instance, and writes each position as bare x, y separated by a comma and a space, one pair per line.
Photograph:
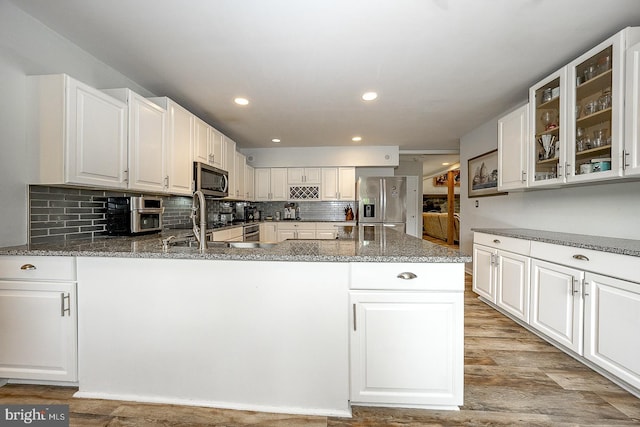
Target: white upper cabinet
146, 141
249, 182
241, 163
79, 133
201, 146
338, 184
579, 129
270, 184
513, 138
548, 124
179, 147
631, 161
230, 155
217, 150
304, 175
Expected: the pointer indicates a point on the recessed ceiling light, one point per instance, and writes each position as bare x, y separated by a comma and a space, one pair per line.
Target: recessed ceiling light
275, 140
446, 164
241, 101
356, 139
369, 96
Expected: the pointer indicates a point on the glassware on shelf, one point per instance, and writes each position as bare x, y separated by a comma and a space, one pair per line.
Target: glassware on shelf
547, 95
604, 101
590, 108
590, 72
604, 64
549, 119
600, 138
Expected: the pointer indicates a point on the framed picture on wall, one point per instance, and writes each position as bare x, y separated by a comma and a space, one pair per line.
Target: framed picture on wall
441, 180
483, 175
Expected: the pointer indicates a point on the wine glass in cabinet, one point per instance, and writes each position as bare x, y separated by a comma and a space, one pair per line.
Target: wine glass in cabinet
548, 124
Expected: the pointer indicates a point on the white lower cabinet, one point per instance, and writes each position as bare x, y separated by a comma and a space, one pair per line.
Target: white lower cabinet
298, 230
407, 344
38, 319
612, 322
502, 277
268, 232
403, 348
556, 303
484, 272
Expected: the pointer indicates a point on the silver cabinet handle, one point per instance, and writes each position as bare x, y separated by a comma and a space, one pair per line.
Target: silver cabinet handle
406, 276
524, 176
65, 308
567, 169
28, 267
585, 291
581, 257
354, 318
575, 287
496, 241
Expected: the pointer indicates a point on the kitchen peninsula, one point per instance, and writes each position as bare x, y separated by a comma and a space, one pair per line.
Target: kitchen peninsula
307, 326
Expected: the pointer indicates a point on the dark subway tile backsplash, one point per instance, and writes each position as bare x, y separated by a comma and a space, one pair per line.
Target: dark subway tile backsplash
58, 214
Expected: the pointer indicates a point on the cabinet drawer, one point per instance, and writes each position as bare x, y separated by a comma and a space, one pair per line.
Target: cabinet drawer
519, 246
614, 265
44, 268
428, 277
297, 226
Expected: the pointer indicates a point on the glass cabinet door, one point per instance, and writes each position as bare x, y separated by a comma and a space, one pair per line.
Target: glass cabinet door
548, 123
597, 96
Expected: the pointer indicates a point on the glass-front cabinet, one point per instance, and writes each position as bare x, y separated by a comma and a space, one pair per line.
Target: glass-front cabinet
597, 97
578, 117
548, 123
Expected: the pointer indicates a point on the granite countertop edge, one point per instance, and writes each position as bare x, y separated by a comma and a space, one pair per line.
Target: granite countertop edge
614, 245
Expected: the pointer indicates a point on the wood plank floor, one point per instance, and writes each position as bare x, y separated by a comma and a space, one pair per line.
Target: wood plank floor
512, 378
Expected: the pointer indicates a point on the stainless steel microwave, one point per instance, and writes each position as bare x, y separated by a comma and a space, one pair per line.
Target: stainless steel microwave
211, 181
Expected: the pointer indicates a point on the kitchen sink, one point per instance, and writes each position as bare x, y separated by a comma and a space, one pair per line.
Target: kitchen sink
251, 245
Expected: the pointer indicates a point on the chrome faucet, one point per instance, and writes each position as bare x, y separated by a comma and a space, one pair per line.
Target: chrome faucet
199, 209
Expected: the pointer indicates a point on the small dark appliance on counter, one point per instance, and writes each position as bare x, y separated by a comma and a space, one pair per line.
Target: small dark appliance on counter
134, 215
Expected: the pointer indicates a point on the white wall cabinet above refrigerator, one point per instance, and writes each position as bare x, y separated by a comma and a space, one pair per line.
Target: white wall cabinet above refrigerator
79, 133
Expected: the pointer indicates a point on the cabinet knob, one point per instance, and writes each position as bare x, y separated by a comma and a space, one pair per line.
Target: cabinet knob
406, 276
581, 257
28, 267
496, 241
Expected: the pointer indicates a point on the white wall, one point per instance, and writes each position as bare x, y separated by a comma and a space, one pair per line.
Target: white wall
610, 209
27, 47
359, 156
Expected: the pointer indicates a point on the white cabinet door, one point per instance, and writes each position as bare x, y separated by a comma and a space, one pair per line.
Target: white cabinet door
249, 180
268, 232
329, 188
38, 331
179, 152
303, 175
305, 234
612, 322
79, 133
556, 303
513, 136
241, 162
146, 144
631, 160
347, 183
279, 187
512, 284
262, 184
201, 146
230, 148
286, 234
484, 282
406, 347
216, 149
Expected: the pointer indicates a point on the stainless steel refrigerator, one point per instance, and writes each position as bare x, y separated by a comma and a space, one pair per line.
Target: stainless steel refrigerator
382, 200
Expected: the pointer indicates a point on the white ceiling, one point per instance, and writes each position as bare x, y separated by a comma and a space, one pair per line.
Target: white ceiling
441, 67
